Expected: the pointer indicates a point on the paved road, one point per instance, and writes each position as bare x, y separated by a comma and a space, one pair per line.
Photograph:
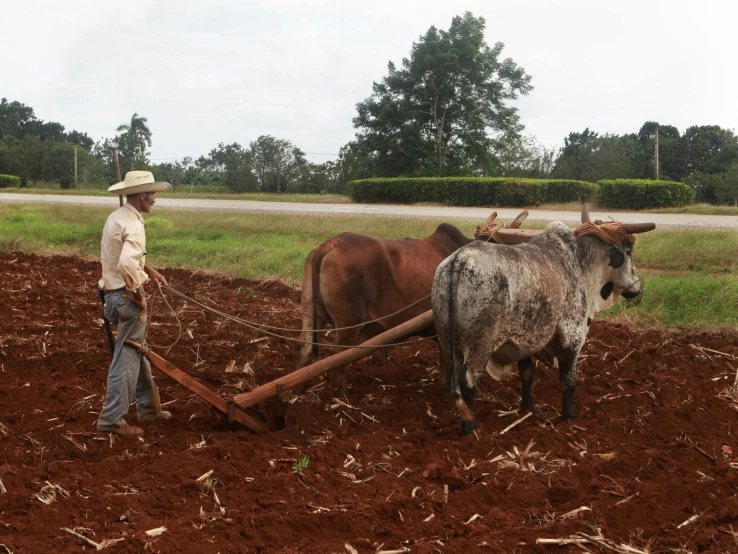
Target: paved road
436, 212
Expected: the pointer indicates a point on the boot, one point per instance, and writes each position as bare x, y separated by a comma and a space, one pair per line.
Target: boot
122, 429
163, 414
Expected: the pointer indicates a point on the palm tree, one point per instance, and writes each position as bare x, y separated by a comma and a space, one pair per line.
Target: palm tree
138, 127
134, 138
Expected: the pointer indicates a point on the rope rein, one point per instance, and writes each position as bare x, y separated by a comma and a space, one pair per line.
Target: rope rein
287, 329
267, 329
151, 317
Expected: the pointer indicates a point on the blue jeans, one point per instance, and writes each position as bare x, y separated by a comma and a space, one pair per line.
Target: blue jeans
129, 374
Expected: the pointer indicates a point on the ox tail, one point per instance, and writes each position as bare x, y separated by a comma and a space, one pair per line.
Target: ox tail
453, 377
318, 254
452, 286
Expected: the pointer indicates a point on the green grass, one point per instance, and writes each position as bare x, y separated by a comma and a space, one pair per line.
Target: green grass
691, 276
699, 250
701, 209
694, 301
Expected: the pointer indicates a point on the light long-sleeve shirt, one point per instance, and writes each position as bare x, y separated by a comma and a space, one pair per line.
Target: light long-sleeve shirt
123, 250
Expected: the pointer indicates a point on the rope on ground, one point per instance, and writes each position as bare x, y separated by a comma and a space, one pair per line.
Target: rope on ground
263, 328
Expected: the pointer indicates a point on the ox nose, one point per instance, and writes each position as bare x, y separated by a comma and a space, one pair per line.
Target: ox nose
632, 291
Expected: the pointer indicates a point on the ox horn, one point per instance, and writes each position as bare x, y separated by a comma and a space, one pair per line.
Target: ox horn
585, 214
518, 221
638, 227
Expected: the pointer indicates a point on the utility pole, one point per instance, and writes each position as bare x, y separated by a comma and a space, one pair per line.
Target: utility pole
656, 152
117, 175
75, 167
279, 164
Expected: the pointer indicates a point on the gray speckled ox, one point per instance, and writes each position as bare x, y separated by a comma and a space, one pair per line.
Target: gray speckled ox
494, 305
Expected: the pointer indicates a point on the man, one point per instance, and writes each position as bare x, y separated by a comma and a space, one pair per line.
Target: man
124, 272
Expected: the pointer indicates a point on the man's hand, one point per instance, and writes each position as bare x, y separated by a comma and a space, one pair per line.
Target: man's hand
139, 298
155, 276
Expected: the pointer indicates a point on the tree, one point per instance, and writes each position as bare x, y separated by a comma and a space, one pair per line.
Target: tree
574, 157
716, 188
50, 131
80, 139
709, 148
523, 157
135, 137
727, 190
672, 159
104, 152
234, 163
58, 164
22, 157
15, 119
587, 156
179, 172
435, 114
276, 162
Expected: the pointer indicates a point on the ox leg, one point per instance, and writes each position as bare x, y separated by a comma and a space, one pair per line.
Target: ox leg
464, 397
467, 395
369, 331
346, 337
464, 387
526, 370
567, 382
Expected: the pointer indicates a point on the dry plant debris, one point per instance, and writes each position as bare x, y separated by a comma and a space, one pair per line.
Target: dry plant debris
657, 412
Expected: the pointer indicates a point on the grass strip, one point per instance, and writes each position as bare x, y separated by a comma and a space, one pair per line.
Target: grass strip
690, 275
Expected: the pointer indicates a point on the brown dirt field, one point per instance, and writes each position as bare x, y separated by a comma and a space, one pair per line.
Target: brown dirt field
653, 448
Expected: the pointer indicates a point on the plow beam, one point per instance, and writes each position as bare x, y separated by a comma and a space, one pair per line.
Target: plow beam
215, 400
300, 376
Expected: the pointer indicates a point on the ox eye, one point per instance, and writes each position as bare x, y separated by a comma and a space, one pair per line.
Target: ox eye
629, 252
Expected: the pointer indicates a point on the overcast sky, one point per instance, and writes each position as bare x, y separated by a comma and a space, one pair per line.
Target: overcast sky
212, 71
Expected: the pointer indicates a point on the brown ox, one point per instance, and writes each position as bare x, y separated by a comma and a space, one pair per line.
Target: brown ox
351, 279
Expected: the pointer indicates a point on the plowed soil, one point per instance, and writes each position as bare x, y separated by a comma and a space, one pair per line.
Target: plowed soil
651, 465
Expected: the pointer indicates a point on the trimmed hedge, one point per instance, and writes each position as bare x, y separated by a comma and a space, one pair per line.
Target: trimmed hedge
9, 181
637, 194
471, 191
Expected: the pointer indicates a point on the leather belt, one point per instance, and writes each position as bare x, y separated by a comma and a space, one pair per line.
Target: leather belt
115, 290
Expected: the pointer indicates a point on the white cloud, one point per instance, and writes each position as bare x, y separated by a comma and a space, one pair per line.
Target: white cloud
228, 70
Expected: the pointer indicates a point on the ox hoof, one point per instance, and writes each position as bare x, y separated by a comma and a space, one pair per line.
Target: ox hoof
569, 416
468, 427
525, 409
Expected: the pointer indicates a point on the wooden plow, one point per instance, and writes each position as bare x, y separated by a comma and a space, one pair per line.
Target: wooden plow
234, 409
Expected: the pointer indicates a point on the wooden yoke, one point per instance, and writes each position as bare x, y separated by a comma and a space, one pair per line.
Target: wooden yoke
506, 235
300, 376
498, 232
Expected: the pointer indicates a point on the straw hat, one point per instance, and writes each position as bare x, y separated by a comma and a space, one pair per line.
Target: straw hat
139, 181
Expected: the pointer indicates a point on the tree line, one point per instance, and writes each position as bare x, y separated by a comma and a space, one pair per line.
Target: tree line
445, 110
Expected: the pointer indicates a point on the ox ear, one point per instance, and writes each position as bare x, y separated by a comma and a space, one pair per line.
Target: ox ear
617, 258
